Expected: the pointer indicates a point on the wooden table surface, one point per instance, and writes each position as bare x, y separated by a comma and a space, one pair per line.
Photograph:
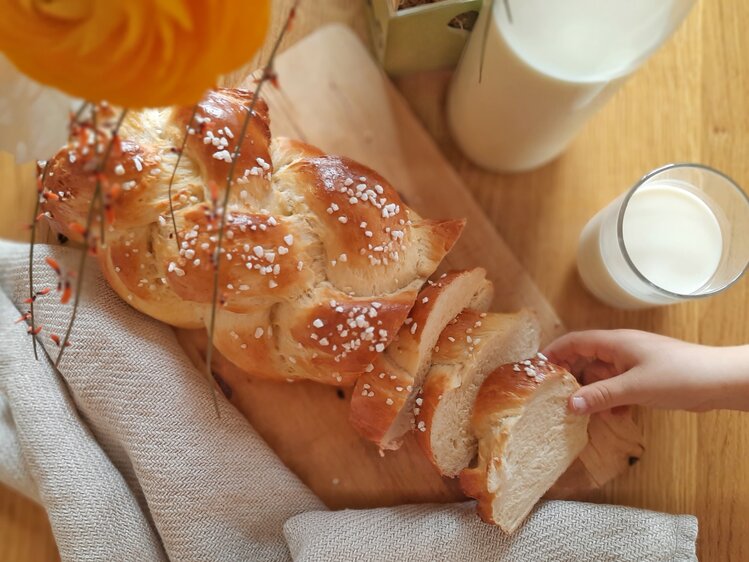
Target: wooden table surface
688, 103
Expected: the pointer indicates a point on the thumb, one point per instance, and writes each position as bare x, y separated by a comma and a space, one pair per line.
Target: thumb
604, 395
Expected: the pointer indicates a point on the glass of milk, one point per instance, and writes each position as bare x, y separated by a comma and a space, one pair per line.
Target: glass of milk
534, 71
680, 233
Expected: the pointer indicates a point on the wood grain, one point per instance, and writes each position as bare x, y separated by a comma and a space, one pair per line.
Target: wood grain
688, 103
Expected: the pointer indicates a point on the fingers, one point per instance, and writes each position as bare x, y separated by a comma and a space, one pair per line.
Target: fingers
609, 364
576, 347
606, 394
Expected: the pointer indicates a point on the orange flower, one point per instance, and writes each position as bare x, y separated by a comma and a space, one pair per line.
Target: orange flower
133, 53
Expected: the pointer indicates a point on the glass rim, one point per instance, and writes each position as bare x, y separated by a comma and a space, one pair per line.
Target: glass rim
620, 229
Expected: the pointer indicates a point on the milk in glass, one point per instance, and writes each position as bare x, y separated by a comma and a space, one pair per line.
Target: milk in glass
671, 237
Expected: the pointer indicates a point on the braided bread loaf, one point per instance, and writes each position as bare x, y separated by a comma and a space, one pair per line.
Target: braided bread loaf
323, 274
322, 259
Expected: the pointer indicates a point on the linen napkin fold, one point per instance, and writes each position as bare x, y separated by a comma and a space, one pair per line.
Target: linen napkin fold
122, 447
556, 530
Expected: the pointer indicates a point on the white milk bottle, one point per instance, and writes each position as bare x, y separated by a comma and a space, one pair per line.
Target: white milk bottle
535, 70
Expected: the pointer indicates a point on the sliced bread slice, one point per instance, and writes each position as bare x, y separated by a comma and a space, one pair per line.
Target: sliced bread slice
470, 348
396, 376
527, 439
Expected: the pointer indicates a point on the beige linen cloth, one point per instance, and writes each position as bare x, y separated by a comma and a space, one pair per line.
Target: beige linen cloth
124, 450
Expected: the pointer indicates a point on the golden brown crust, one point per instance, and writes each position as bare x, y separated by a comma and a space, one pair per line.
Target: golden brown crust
134, 275
444, 234
376, 398
350, 332
507, 388
438, 383
72, 180
458, 340
473, 483
257, 261
217, 125
303, 230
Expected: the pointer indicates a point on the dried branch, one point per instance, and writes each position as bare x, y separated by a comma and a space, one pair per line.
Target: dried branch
87, 230
174, 173
32, 293
74, 120
267, 74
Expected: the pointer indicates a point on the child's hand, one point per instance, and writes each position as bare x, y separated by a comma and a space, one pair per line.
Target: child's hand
621, 367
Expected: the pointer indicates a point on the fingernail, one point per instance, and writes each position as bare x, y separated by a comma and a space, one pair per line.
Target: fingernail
578, 404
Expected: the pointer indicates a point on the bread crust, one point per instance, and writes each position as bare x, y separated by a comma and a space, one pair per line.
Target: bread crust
441, 380
321, 262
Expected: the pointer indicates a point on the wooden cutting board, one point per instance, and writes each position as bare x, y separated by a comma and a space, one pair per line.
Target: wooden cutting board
333, 95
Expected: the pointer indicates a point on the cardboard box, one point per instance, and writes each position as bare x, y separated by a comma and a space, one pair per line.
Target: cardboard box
422, 37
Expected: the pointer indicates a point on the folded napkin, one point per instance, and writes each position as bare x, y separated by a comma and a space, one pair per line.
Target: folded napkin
124, 450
